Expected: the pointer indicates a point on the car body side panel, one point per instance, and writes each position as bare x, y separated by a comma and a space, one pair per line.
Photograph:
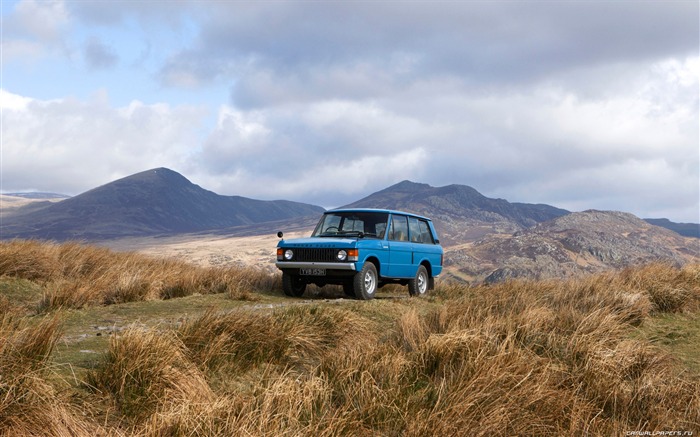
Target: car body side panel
372, 249
430, 253
401, 260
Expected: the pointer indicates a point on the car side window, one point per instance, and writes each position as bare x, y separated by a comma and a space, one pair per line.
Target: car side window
414, 229
399, 228
426, 236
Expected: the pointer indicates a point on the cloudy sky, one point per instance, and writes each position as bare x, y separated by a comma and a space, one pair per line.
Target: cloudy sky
578, 104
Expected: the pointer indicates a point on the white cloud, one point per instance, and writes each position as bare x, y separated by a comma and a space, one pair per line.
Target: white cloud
578, 104
21, 49
328, 183
9, 101
35, 29
497, 43
651, 188
310, 152
45, 20
70, 146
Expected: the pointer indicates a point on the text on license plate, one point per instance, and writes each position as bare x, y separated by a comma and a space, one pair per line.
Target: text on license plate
312, 272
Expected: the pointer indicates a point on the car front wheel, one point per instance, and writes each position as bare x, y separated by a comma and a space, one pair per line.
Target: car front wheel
418, 286
365, 282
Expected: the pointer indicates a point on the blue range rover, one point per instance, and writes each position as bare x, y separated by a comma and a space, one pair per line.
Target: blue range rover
362, 250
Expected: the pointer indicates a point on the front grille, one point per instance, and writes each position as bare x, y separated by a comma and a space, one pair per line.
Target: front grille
315, 254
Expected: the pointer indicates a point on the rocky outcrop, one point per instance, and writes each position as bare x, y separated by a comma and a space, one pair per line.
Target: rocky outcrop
584, 242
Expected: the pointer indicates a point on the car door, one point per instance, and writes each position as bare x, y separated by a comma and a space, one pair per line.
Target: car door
400, 248
424, 246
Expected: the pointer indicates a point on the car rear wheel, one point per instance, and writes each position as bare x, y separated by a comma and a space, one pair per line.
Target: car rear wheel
292, 285
418, 286
365, 282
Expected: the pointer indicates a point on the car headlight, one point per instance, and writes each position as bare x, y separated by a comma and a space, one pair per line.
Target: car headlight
288, 254
342, 255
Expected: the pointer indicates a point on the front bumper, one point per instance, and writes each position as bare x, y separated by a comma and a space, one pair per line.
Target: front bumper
314, 265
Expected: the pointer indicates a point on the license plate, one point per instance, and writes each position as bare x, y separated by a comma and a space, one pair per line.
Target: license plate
312, 272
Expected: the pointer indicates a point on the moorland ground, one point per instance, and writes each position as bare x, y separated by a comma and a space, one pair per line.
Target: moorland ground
95, 342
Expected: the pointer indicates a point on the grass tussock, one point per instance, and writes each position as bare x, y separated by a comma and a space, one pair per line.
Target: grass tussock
517, 358
670, 289
286, 337
29, 404
75, 275
145, 369
545, 358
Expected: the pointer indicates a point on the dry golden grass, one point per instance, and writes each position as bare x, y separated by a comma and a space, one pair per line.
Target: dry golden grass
550, 358
517, 358
75, 275
29, 405
288, 337
146, 369
520, 358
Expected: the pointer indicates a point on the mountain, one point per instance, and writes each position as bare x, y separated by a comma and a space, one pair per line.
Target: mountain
485, 239
460, 212
153, 202
492, 239
581, 242
457, 200
685, 229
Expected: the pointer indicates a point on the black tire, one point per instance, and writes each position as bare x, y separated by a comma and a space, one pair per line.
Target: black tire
292, 285
419, 285
365, 282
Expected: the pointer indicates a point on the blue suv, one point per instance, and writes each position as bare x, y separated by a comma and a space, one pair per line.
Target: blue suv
363, 250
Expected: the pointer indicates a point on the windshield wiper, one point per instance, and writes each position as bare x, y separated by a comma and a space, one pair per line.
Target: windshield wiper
358, 234
327, 234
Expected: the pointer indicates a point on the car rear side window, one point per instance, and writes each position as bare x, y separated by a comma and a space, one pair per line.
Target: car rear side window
414, 229
426, 236
399, 228
420, 231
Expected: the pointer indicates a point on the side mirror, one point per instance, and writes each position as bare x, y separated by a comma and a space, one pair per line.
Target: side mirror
280, 234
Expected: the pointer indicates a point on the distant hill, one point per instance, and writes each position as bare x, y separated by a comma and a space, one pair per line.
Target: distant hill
457, 200
12, 204
460, 212
157, 201
38, 195
685, 229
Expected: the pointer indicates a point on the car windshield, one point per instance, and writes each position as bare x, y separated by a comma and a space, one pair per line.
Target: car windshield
358, 224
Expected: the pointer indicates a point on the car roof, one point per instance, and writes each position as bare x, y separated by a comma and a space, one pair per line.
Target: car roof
385, 211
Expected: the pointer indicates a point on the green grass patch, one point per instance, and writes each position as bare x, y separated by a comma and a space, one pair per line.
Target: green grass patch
86, 332
19, 294
679, 334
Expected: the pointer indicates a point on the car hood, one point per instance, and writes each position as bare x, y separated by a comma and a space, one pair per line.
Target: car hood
318, 242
